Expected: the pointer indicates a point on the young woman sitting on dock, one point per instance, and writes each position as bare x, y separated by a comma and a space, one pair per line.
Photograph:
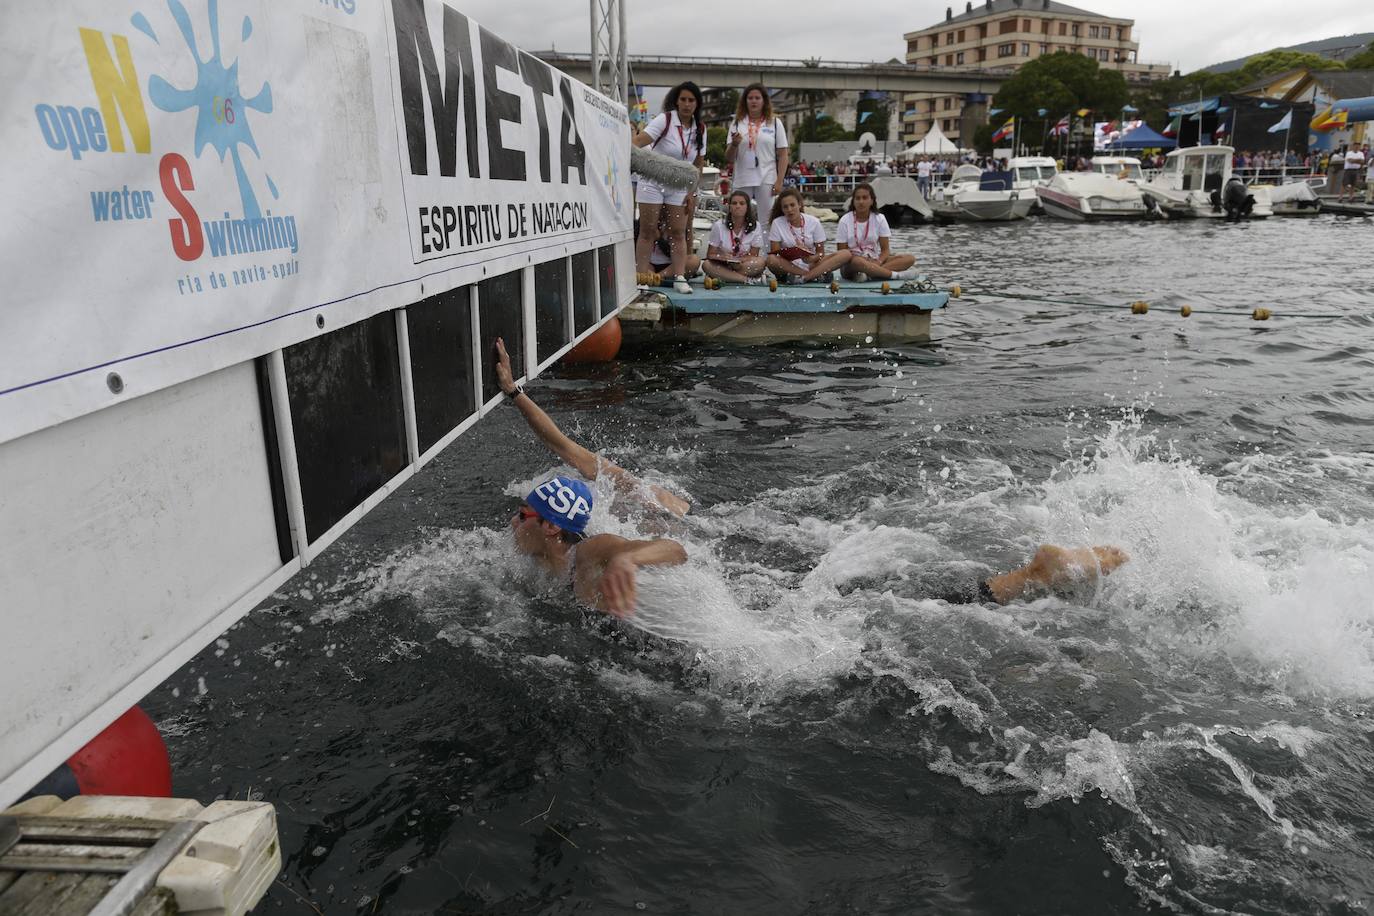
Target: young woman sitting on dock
797, 242
676, 132
757, 149
734, 252
864, 232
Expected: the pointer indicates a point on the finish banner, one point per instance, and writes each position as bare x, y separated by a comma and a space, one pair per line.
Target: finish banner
194, 183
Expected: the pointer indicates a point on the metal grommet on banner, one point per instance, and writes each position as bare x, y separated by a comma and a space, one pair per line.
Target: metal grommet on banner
319, 322
114, 383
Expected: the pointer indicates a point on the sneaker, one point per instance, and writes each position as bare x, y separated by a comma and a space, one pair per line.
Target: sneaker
795, 279
860, 277
754, 281
908, 274
681, 285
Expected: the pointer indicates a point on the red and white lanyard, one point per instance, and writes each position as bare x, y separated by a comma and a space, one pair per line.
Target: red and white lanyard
862, 244
686, 156
736, 239
797, 242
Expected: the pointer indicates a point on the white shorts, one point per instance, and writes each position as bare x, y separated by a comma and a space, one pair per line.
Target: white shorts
648, 192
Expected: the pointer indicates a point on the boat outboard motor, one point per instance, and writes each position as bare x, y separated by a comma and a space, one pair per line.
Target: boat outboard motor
1236, 199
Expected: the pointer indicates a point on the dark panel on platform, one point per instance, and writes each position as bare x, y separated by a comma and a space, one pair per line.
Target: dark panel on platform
501, 312
585, 311
345, 393
550, 307
605, 258
285, 547
440, 331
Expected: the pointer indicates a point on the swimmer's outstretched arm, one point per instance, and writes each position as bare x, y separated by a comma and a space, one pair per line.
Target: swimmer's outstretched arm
587, 463
1055, 567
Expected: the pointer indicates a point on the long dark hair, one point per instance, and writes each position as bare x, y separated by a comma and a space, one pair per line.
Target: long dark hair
750, 221
777, 202
742, 109
670, 105
864, 186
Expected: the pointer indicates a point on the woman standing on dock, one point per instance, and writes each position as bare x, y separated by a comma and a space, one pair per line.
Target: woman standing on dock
736, 241
797, 242
757, 148
676, 132
865, 234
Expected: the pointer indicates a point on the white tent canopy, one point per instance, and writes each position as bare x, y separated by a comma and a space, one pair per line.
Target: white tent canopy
934, 143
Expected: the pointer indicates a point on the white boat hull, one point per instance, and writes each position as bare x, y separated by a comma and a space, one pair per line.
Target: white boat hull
1089, 208
984, 206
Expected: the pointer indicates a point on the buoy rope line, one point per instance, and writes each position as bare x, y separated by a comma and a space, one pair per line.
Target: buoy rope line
1140, 307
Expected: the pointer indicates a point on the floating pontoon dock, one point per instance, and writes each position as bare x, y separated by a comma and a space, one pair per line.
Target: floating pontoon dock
805, 311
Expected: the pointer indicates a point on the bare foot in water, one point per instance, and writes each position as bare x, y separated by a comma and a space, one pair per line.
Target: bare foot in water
1055, 567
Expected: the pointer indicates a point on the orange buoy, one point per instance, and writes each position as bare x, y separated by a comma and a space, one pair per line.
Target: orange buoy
1140, 307
1186, 311
601, 347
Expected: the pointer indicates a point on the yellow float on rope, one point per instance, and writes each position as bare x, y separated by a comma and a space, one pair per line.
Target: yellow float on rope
772, 284
834, 286
1139, 307
887, 288
1186, 311
956, 291
1261, 314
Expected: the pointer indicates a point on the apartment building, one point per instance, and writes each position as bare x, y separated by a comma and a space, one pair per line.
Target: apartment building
1003, 35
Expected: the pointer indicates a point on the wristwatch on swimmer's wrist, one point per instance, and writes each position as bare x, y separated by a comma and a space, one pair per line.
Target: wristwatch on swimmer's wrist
515, 393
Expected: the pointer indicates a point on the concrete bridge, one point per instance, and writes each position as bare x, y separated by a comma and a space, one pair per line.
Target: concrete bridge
736, 72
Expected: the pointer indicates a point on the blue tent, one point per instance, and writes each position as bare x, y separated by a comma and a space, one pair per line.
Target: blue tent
1143, 137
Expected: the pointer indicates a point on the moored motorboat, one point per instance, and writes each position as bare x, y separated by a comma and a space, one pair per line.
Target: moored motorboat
1084, 196
1126, 168
1296, 198
976, 196
1197, 183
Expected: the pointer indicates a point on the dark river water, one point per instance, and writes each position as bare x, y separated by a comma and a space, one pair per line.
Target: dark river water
793, 724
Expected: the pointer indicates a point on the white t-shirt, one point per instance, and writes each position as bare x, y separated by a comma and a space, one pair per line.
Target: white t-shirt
672, 138
923, 168
1354, 159
810, 235
862, 238
769, 137
735, 246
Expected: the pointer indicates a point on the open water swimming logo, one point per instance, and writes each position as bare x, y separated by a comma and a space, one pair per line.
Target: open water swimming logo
611, 178
258, 243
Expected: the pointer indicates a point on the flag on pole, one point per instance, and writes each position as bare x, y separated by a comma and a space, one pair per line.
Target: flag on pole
1084, 112
1284, 124
1006, 130
1042, 112
1062, 128
1174, 125
1129, 109
994, 112
1221, 131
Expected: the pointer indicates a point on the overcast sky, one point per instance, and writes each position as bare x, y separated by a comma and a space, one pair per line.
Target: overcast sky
1187, 34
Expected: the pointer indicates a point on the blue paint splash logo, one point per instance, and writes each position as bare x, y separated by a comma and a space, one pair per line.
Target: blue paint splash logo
221, 109
612, 180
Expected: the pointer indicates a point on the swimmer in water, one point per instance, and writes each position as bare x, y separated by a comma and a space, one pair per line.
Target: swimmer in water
550, 527
588, 463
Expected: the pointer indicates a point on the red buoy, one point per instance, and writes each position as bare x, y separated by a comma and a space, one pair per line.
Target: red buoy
128, 758
601, 347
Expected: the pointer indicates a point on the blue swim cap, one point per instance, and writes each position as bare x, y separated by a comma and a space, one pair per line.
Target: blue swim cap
565, 501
